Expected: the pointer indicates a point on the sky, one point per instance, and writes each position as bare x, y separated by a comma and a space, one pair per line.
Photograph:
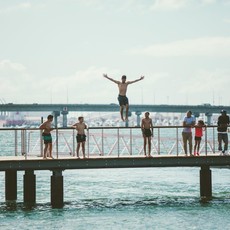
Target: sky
56, 51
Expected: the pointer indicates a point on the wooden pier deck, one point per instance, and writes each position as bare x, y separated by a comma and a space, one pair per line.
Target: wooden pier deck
64, 163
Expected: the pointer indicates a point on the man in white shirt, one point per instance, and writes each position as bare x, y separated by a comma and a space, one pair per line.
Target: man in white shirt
188, 123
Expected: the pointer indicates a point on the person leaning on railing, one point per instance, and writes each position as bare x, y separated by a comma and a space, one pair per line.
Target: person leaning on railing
188, 123
222, 126
46, 127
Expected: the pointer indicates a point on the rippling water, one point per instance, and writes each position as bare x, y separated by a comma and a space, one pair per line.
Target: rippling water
151, 198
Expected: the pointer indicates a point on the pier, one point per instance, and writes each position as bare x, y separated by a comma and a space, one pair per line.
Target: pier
124, 149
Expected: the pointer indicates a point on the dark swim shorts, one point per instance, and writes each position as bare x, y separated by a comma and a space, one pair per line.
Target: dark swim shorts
123, 100
81, 138
147, 132
47, 138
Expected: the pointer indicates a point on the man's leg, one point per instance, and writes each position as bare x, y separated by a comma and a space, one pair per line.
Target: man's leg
83, 149
149, 144
127, 112
225, 139
50, 149
184, 136
78, 147
219, 141
145, 144
45, 151
190, 142
121, 112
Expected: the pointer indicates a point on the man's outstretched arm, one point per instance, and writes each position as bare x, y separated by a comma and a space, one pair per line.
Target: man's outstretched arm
139, 79
111, 79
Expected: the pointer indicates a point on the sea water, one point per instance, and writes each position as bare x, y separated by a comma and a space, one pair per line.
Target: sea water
137, 198
150, 198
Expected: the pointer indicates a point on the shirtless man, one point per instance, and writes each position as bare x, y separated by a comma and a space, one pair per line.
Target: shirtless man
123, 100
46, 135
147, 131
81, 137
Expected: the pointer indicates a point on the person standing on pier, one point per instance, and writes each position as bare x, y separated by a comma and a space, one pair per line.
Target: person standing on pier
222, 125
199, 128
188, 124
46, 127
81, 137
122, 98
147, 132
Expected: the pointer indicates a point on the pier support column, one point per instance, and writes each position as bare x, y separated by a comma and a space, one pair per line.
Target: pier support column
11, 185
138, 113
209, 118
29, 187
206, 182
64, 114
56, 114
57, 189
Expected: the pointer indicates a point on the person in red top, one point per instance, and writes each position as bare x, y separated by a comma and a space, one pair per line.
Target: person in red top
199, 128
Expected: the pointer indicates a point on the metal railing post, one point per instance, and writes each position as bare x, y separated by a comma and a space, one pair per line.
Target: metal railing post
74, 150
206, 142
177, 141
102, 142
159, 141
57, 142
131, 143
213, 138
118, 143
88, 141
25, 143
16, 142
41, 144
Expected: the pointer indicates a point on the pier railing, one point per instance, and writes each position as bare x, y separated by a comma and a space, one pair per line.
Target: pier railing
101, 141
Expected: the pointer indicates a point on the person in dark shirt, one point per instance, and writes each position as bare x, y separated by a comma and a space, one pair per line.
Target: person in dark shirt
222, 128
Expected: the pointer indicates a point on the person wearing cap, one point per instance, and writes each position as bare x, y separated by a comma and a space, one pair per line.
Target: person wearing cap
222, 126
188, 123
122, 98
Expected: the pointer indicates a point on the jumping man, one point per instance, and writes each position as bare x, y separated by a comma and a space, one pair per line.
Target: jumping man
123, 100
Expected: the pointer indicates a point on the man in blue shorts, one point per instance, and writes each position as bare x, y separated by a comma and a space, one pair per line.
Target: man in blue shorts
123, 100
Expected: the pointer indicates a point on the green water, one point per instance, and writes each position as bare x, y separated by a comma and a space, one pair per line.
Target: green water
151, 198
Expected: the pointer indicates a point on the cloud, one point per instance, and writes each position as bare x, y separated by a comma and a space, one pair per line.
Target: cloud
7, 64
23, 6
169, 4
83, 86
207, 46
226, 20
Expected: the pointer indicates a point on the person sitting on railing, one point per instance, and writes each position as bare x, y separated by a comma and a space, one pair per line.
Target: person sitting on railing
147, 131
46, 127
81, 137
